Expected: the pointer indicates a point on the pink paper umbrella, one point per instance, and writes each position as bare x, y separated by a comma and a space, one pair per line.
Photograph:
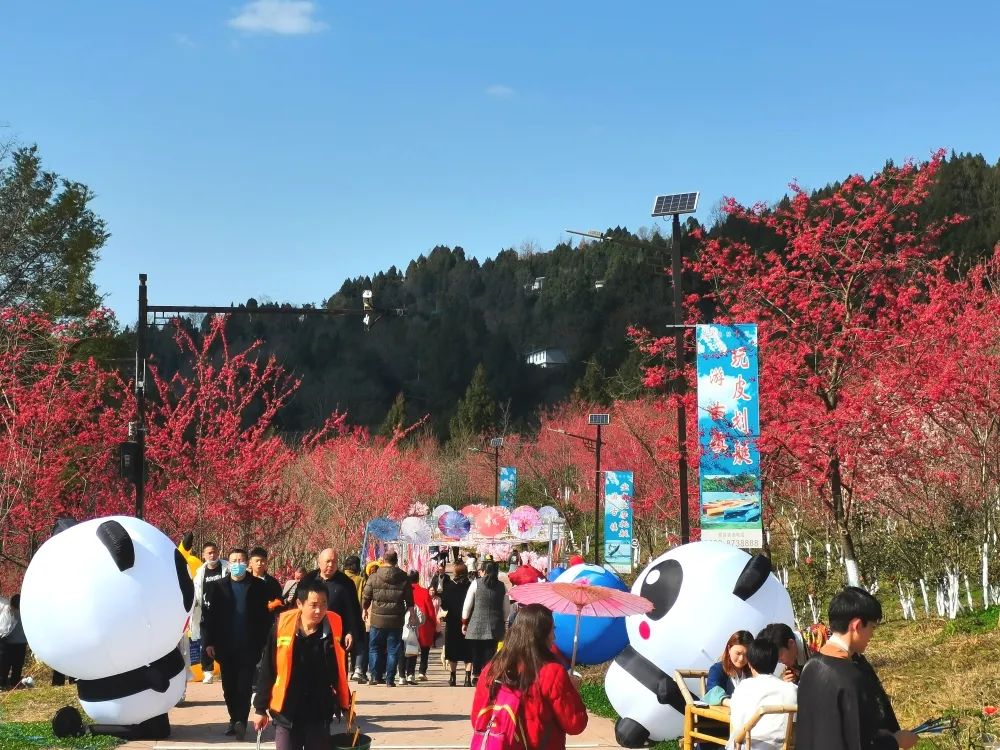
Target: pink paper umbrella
473, 510
492, 522
523, 521
583, 599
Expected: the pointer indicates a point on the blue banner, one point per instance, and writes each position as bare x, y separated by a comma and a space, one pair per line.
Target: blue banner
618, 491
508, 486
728, 432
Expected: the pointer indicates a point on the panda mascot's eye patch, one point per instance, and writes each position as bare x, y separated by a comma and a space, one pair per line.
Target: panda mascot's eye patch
184, 580
113, 536
662, 586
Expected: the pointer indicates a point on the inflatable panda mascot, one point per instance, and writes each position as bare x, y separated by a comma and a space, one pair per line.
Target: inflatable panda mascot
106, 601
701, 593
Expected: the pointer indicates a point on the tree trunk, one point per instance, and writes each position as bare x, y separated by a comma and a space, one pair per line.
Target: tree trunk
840, 518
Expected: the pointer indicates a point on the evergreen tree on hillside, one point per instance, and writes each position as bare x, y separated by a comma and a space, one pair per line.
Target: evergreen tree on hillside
477, 411
592, 388
395, 419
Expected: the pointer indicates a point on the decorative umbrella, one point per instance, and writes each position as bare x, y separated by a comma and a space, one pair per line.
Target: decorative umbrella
473, 510
441, 510
493, 521
415, 530
384, 529
548, 513
523, 521
455, 524
582, 598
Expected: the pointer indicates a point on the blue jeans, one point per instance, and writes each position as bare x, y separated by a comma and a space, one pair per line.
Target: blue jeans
383, 652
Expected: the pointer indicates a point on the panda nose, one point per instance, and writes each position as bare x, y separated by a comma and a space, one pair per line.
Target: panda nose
644, 630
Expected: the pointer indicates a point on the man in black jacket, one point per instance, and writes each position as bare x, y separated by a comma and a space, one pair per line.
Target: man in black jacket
342, 596
842, 705
258, 569
235, 622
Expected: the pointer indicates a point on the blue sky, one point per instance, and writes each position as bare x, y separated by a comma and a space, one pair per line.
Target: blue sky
273, 148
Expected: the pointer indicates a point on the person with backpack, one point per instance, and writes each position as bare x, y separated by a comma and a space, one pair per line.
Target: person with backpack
526, 681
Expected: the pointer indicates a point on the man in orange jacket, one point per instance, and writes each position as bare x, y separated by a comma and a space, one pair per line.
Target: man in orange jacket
302, 681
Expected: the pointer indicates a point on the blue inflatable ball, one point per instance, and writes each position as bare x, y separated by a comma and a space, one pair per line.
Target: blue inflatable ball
601, 638
555, 573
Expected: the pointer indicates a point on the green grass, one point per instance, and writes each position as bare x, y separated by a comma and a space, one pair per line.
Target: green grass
982, 621
596, 701
22, 735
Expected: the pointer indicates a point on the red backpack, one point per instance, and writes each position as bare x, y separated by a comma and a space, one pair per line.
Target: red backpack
499, 725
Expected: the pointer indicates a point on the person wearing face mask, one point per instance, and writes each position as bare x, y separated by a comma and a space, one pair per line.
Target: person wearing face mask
234, 626
212, 569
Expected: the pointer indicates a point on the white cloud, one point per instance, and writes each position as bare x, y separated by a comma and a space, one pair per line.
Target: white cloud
285, 17
499, 91
183, 40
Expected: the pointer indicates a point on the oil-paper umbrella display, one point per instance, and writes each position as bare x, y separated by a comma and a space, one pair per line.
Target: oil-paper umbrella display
415, 530
384, 529
455, 525
548, 513
493, 521
524, 521
583, 599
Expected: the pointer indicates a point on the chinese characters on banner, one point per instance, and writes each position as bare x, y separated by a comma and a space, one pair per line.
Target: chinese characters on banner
618, 519
728, 431
508, 486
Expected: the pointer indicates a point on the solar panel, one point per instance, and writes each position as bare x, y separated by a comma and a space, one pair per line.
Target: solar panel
601, 419
678, 203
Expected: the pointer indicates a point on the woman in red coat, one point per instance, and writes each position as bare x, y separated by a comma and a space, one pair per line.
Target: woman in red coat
428, 631
551, 706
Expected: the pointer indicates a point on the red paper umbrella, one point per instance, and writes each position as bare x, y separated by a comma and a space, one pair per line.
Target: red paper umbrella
582, 599
492, 521
472, 510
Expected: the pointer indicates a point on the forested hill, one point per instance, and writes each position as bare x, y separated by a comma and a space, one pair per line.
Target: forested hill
577, 299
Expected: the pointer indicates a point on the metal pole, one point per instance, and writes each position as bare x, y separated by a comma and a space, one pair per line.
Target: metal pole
496, 475
140, 399
597, 499
680, 383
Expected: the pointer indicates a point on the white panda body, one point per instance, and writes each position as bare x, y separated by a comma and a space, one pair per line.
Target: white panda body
695, 612
105, 599
136, 708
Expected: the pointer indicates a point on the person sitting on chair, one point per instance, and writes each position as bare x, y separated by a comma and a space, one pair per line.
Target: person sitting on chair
763, 688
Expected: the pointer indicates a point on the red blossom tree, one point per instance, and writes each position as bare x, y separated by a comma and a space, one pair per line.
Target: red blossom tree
360, 477
57, 432
846, 268
215, 464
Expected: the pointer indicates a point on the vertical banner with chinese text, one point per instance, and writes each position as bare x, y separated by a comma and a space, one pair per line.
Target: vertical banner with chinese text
508, 486
728, 432
618, 520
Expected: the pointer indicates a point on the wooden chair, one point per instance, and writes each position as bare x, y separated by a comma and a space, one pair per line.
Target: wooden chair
700, 720
743, 738
680, 675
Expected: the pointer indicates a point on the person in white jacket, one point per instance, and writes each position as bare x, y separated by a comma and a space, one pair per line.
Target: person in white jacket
211, 570
763, 688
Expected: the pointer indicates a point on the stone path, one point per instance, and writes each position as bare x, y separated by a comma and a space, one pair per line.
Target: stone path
427, 716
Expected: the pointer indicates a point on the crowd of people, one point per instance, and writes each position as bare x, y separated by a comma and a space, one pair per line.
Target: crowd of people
288, 653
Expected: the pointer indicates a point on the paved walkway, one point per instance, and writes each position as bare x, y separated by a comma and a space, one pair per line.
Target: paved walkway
426, 716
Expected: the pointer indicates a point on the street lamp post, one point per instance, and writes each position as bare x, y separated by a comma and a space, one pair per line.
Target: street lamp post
599, 421
496, 443
675, 205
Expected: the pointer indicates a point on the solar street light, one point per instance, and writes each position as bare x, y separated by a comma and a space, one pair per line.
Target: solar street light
674, 205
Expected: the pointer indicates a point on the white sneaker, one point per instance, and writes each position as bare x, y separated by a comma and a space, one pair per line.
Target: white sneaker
207, 679
422, 677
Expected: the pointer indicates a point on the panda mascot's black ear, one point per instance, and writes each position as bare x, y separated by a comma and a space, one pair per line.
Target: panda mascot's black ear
184, 580
113, 536
188, 541
754, 574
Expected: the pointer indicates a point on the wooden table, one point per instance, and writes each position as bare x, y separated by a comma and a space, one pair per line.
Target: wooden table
691, 733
